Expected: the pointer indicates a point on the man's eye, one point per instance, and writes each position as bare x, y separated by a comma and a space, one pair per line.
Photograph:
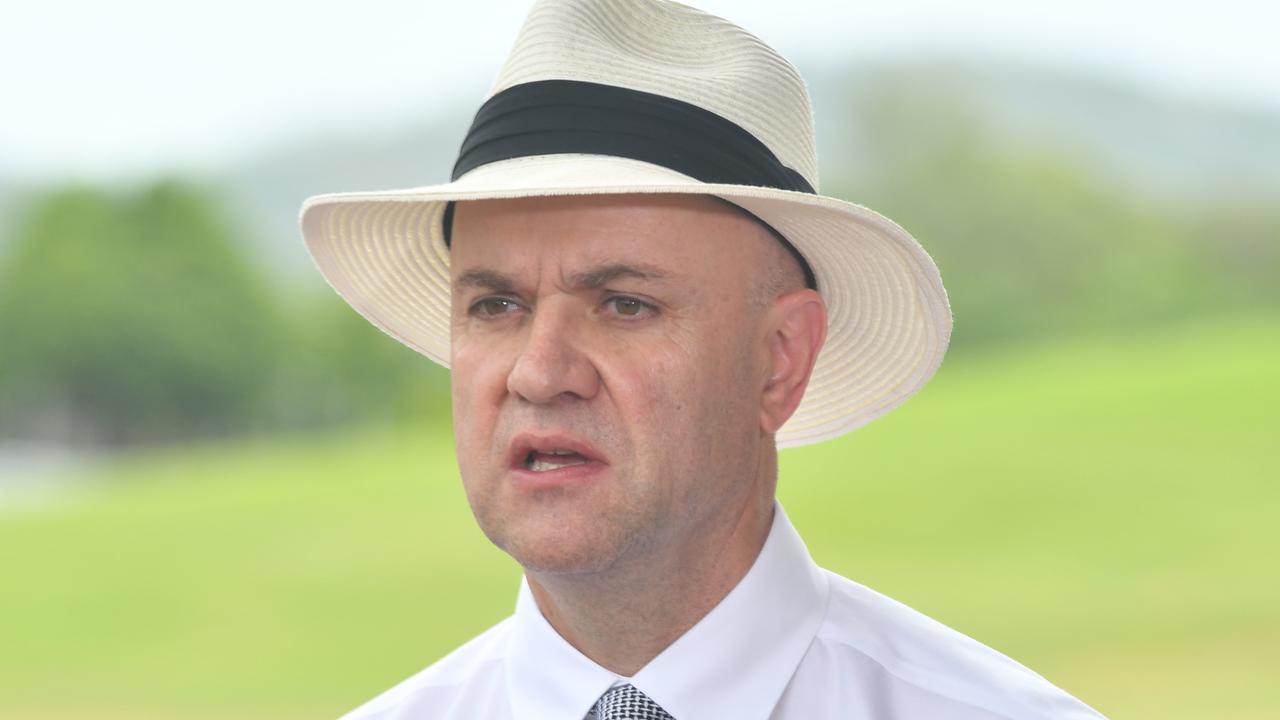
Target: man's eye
493, 307
629, 307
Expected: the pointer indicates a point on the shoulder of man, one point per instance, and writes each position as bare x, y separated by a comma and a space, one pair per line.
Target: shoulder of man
907, 652
472, 670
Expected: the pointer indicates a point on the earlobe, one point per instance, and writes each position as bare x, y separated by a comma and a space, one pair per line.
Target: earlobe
797, 329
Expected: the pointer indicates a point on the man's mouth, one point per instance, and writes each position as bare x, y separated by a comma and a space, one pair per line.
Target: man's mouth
534, 452
542, 461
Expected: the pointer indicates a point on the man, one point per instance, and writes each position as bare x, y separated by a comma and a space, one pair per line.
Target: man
641, 296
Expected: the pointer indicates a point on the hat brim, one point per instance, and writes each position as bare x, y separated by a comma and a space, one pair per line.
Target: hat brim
889, 321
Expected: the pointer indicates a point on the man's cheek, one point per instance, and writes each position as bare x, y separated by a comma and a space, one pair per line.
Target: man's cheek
468, 428
477, 387
656, 397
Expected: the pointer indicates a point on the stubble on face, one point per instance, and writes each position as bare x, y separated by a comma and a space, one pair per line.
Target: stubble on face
670, 402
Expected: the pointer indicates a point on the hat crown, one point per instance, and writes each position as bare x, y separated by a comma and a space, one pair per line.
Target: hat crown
673, 50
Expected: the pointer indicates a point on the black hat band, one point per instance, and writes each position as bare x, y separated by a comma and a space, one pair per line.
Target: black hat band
551, 117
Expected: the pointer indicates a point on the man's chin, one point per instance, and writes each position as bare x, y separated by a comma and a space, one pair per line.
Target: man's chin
562, 533
560, 552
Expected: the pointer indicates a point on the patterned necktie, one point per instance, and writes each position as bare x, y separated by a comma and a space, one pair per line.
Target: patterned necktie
627, 703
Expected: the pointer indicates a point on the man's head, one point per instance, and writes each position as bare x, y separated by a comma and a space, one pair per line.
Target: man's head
664, 339
662, 98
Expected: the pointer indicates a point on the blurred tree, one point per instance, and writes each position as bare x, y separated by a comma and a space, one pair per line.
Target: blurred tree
341, 368
130, 319
1242, 244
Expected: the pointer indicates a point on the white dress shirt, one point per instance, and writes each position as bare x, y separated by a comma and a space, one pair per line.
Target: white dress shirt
790, 642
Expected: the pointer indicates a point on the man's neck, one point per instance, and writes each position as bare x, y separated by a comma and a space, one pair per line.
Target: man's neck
623, 620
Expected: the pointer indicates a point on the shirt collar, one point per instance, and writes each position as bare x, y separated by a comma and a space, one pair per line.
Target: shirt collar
735, 662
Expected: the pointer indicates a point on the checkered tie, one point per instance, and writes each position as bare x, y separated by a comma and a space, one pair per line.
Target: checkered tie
627, 703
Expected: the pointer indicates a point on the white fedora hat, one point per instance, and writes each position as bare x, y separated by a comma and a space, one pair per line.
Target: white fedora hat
648, 96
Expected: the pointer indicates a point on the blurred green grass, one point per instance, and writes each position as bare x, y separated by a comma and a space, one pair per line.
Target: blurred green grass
1101, 510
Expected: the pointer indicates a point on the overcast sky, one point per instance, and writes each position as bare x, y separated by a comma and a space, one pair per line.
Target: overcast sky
99, 89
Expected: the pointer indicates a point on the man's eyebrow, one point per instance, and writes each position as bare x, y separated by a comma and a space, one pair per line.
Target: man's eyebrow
605, 274
485, 280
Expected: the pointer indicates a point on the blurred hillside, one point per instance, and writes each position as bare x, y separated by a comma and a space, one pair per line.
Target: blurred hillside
1123, 136
1058, 206
1053, 202
1055, 205
1152, 144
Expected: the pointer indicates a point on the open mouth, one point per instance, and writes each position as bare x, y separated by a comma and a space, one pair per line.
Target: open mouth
543, 461
547, 452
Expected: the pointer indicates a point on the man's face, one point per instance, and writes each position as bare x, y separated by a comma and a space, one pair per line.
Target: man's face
607, 363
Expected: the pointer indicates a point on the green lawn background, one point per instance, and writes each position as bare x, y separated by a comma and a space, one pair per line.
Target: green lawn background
1103, 511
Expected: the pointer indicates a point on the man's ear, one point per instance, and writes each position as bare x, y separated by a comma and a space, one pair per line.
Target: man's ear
795, 330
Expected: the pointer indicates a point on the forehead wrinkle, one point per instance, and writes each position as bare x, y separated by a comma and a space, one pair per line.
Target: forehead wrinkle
601, 275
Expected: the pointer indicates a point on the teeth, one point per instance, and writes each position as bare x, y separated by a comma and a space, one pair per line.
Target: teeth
537, 464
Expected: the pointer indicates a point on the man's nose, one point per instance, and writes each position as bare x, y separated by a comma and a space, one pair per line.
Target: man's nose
551, 362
